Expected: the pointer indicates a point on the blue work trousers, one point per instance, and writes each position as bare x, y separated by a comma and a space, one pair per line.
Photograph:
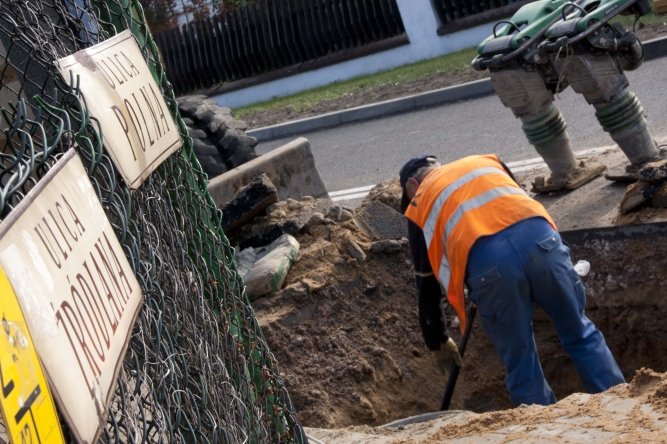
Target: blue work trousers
524, 264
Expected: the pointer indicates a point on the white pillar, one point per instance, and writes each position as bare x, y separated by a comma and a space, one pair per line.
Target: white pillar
420, 21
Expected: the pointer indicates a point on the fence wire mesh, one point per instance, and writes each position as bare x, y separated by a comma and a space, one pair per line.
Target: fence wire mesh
197, 367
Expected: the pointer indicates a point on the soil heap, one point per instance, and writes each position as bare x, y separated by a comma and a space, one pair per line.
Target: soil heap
634, 412
344, 328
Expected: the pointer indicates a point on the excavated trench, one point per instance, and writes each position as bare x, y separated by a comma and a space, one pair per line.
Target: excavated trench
626, 298
344, 330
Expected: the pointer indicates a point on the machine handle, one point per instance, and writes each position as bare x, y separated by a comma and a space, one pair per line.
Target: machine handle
507, 22
571, 4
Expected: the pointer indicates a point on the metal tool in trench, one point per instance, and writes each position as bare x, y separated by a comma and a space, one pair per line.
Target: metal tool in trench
548, 45
454, 373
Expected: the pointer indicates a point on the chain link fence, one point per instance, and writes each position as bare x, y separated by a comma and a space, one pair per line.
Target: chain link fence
197, 367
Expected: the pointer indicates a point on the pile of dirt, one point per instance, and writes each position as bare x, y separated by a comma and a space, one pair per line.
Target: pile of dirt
634, 412
344, 328
345, 334
377, 93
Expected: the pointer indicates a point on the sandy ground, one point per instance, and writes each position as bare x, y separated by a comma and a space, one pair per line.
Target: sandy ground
634, 412
344, 330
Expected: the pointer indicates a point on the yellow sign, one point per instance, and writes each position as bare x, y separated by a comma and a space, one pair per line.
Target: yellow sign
77, 290
27, 407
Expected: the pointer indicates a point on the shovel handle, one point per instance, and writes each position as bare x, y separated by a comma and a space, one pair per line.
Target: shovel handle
454, 374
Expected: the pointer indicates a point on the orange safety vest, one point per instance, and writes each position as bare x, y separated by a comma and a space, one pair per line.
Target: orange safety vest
459, 202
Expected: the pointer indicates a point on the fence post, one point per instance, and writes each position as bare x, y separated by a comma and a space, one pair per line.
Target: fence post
420, 20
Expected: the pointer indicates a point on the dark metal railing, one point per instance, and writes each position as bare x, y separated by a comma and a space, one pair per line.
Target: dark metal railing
268, 35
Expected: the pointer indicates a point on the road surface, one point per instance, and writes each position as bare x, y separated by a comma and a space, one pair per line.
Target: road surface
363, 154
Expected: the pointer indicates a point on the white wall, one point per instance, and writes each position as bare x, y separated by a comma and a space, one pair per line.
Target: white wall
421, 25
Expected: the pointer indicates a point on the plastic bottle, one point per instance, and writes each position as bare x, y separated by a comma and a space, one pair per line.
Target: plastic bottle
582, 267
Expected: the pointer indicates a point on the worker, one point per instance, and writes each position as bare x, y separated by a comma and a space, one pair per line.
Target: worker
472, 225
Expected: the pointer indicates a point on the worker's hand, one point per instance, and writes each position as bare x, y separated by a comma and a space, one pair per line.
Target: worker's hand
447, 356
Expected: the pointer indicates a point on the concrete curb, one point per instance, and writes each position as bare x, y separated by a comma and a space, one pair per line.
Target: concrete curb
291, 169
653, 49
395, 106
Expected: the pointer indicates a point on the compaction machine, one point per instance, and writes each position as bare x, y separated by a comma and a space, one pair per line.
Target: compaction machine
548, 45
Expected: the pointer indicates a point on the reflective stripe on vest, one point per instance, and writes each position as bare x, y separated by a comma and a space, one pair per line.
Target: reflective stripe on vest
429, 227
478, 201
444, 273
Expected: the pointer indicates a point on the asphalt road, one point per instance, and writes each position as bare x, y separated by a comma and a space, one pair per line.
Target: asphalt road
366, 153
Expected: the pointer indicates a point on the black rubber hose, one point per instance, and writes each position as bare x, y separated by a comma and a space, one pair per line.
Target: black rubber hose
564, 42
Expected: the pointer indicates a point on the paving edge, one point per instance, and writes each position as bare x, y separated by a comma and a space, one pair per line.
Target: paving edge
653, 49
291, 169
